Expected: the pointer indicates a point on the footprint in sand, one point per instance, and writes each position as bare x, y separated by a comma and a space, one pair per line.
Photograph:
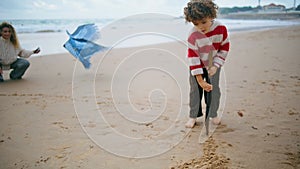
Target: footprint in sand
222, 128
42, 160
60, 125
209, 159
91, 124
21, 164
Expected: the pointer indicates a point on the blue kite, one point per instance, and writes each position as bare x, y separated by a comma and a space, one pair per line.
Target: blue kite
81, 45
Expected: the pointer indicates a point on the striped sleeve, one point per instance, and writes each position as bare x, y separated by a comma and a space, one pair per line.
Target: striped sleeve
222, 53
194, 61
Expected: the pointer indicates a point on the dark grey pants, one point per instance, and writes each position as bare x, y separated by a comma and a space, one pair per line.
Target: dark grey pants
212, 99
19, 67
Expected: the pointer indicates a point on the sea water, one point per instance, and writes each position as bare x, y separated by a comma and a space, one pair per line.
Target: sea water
50, 34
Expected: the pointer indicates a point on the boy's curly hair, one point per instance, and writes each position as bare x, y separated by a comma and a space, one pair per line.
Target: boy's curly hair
200, 9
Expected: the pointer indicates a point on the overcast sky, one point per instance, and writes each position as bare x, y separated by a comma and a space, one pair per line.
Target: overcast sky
61, 9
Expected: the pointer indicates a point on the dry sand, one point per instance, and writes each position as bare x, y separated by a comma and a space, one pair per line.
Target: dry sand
53, 117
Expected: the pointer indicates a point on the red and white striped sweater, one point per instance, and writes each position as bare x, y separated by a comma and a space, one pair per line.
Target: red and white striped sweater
200, 45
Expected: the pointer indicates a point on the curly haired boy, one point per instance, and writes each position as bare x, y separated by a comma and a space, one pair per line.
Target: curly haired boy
208, 47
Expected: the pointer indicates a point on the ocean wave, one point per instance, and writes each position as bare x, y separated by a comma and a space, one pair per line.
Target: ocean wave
48, 31
51, 25
40, 31
61, 25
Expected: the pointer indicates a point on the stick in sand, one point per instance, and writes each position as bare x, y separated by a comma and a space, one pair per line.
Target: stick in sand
210, 63
203, 137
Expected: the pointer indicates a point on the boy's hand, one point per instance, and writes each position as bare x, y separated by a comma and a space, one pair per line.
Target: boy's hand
206, 86
212, 70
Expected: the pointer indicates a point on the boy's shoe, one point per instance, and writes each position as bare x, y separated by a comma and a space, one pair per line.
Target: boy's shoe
1, 78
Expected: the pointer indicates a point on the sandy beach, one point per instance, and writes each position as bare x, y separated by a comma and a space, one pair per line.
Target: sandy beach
128, 111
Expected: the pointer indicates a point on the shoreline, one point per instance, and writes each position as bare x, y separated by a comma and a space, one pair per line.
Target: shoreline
133, 33
33, 43
48, 117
